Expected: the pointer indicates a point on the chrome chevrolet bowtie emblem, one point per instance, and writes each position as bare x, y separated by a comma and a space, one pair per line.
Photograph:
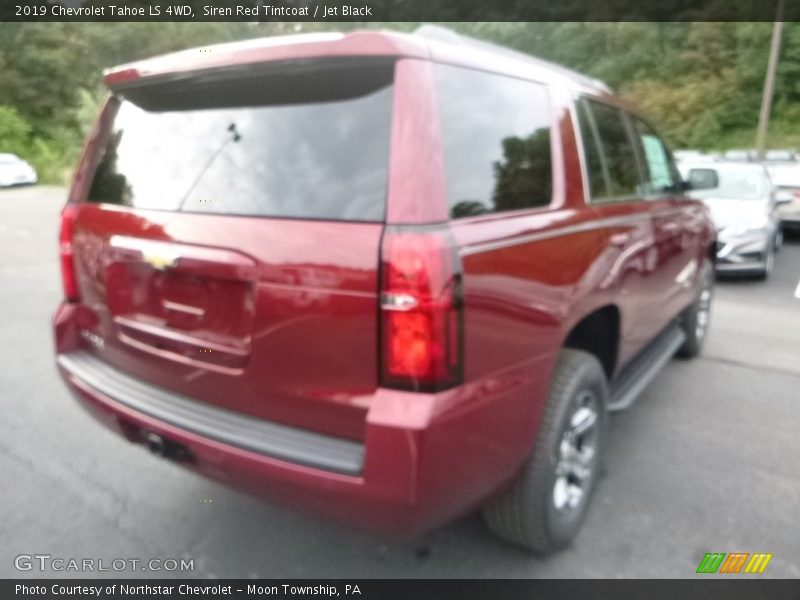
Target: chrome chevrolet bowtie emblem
160, 260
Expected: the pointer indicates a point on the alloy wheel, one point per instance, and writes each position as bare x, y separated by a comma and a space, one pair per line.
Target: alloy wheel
703, 312
577, 454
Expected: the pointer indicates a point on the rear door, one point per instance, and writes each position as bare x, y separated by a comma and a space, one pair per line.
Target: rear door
629, 232
227, 247
678, 221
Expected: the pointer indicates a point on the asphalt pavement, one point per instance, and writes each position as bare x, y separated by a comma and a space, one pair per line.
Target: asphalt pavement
708, 460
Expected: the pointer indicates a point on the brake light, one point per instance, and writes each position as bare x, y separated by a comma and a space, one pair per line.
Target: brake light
118, 77
68, 278
421, 310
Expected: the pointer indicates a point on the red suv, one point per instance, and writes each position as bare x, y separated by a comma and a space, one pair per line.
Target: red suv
384, 277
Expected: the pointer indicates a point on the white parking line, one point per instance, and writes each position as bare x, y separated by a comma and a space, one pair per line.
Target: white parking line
797, 290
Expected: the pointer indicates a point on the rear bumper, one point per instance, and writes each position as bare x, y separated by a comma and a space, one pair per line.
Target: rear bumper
425, 458
791, 221
256, 435
789, 213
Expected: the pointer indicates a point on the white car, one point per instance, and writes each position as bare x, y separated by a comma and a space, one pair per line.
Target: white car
785, 174
15, 171
742, 201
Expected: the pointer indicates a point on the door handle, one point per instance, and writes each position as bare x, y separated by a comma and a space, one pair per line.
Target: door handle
619, 239
671, 227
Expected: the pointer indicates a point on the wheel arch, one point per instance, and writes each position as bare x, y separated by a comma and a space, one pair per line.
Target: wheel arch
598, 333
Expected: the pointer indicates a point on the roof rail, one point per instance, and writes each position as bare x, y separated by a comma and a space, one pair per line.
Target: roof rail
437, 33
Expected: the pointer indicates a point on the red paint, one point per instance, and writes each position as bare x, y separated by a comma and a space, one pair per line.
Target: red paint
291, 307
66, 255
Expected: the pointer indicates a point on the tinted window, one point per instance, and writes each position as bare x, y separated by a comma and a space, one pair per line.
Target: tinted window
496, 137
660, 171
595, 163
306, 159
613, 170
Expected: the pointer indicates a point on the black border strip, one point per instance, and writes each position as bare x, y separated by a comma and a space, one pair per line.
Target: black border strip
418, 589
395, 10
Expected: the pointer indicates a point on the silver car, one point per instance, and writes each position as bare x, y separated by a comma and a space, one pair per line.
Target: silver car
785, 175
742, 201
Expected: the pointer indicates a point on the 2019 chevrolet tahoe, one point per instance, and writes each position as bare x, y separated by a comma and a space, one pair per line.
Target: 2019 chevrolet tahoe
388, 278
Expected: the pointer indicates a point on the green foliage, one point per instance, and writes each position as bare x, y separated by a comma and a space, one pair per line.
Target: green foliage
51, 153
700, 83
54, 157
15, 131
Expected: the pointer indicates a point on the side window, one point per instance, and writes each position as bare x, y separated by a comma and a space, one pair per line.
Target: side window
661, 174
611, 157
596, 167
496, 139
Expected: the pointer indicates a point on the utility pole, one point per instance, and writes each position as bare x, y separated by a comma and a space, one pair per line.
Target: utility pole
769, 82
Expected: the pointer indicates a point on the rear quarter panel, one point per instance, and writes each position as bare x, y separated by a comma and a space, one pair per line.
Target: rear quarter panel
527, 277
531, 276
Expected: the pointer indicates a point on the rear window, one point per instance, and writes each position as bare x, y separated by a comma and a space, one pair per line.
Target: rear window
496, 138
294, 149
611, 158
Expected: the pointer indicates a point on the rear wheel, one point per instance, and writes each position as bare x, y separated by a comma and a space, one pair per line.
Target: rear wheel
695, 319
544, 509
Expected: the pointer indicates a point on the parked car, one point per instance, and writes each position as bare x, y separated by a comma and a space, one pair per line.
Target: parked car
379, 276
15, 171
741, 155
742, 201
781, 156
788, 200
682, 156
687, 154
785, 175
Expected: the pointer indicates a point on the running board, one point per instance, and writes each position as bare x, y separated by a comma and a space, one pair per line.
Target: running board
638, 374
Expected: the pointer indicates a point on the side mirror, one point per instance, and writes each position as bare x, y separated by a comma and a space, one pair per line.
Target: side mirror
703, 179
783, 197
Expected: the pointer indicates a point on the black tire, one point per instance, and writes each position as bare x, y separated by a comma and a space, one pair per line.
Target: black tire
526, 514
696, 318
769, 262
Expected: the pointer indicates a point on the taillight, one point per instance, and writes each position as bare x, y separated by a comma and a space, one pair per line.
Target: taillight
119, 77
65, 253
421, 310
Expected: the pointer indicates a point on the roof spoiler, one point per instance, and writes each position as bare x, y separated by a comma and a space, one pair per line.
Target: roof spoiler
438, 33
